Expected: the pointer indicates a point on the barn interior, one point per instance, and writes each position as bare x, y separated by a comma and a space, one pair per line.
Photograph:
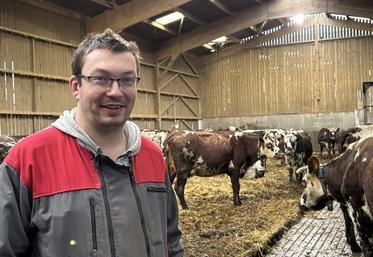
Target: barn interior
219, 63
252, 64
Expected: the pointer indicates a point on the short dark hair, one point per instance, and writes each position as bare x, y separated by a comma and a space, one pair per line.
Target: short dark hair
106, 40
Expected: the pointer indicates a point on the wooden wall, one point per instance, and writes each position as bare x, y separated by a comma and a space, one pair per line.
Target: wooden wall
39, 42
36, 47
322, 76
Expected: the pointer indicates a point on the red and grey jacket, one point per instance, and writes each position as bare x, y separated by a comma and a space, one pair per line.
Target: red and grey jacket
57, 198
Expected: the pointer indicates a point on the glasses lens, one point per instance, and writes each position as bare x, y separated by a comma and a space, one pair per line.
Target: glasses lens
128, 81
101, 81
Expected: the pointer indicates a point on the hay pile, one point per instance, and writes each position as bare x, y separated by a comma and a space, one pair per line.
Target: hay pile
214, 227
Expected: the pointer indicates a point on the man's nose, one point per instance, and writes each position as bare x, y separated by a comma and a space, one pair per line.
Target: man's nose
115, 88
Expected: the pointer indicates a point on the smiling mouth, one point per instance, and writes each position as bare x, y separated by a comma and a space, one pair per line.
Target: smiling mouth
113, 106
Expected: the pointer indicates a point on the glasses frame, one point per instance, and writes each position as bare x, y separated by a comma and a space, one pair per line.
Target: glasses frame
90, 78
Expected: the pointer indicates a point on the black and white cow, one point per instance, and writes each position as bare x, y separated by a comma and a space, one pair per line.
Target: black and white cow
298, 148
327, 138
6, 143
157, 136
348, 179
274, 140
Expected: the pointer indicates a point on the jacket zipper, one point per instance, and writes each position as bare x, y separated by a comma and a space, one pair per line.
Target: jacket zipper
139, 207
107, 208
93, 223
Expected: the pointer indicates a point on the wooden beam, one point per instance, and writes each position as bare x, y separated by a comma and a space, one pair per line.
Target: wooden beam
188, 85
178, 94
191, 16
260, 30
54, 8
169, 105
190, 64
126, 15
181, 23
171, 70
104, 3
180, 118
190, 107
25, 113
221, 6
172, 60
143, 116
273, 9
168, 81
33, 36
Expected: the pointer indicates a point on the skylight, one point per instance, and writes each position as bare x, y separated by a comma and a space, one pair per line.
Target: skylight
299, 19
169, 18
220, 40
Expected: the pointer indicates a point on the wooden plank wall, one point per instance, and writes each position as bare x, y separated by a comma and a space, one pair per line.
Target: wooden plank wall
35, 58
35, 91
323, 76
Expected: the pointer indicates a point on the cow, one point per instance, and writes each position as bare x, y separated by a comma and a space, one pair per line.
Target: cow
6, 143
205, 154
298, 148
157, 136
347, 179
346, 137
274, 140
327, 138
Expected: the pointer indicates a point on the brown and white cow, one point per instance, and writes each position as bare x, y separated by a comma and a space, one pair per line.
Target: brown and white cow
347, 179
205, 154
346, 137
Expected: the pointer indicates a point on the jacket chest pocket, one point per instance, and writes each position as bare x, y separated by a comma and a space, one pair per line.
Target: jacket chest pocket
156, 189
92, 209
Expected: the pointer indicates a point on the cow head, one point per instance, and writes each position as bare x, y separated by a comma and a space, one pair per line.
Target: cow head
291, 141
270, 145
314, 195
333, 133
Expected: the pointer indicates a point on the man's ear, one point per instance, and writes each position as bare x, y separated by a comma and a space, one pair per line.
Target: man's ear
74, 87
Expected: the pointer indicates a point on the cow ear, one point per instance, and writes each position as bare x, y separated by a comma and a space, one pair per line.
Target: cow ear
261, 141
298, 138
313, 164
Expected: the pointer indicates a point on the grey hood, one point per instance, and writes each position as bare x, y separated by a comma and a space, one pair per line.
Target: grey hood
67, 124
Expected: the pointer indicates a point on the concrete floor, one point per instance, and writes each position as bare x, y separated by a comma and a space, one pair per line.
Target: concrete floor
322, 235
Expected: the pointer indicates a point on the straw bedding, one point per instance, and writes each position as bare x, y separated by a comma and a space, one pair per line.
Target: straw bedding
212, 226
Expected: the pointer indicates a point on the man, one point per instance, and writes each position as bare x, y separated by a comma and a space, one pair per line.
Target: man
90, 185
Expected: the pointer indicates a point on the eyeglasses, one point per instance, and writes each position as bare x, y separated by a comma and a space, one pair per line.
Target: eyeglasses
106, 82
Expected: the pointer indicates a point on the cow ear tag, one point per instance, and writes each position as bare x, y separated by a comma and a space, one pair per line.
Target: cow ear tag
320, 172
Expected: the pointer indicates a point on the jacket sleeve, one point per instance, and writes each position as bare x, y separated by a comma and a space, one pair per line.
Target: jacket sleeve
175, 248
15, 213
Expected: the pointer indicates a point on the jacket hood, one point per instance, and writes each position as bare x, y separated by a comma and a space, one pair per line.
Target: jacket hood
67, 124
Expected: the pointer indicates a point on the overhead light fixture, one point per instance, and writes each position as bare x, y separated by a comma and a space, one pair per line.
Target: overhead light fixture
169, 18
299, 19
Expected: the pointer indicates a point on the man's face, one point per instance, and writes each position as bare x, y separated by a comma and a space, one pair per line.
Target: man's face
104, 108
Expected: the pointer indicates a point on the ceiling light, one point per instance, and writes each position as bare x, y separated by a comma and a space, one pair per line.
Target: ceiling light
299, 19
169, 18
